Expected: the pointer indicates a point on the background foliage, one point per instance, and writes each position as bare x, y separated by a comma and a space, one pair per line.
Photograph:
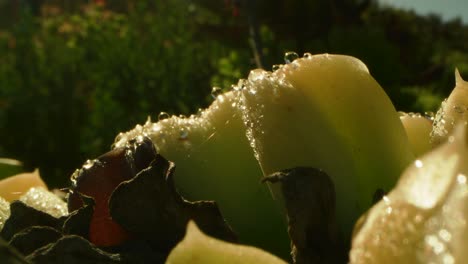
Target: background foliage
75, 73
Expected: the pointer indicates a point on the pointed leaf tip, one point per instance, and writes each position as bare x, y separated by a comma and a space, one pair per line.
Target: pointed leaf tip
458, 77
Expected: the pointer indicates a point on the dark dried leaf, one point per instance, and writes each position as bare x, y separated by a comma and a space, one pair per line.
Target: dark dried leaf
77, 222
23, 216
309, 197
9, 255
150, 207
33, 238
140, 252
72, 250
99, 178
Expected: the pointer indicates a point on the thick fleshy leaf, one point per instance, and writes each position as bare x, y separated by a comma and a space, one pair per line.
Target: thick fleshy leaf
198, 248
211, 150
453, 110
418, 128
45, 201
12, 188
327, 112
424, 219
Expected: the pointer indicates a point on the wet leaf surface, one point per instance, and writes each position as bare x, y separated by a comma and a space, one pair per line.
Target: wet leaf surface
309, 198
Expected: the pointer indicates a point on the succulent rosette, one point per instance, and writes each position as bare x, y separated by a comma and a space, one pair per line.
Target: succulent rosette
319, 129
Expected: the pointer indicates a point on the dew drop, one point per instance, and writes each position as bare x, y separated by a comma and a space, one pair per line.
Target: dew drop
290, 56
162, 116
429, 115
276, 67
461, 179
418, 163
215, 92
307, 55
445, 235
183, 134
459, 109
155, 128
88, 164
119, 137
389, 210
240, 85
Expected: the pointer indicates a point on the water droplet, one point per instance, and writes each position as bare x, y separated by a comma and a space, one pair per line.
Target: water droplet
240, 85
155, 127
386, 199
276, 67
290, 56
88, 164
389, 210
451, 139
445, 235
183, 134
461, 179
448, 259
459, 109
119, 137
429, 115
220, 98
418, 163
307, 55
162, 116
216, 91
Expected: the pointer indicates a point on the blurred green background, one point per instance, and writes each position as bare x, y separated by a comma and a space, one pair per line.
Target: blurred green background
73, 74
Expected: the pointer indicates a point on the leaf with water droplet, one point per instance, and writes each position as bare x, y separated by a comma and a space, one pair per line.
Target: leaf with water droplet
290, 56
296, 121
451, 112
418, 129
307, 55
276, 67
423, 219
183, 134
215, 91
163, 115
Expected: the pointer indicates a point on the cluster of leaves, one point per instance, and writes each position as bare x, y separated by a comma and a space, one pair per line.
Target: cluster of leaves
147, 206
72, 74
